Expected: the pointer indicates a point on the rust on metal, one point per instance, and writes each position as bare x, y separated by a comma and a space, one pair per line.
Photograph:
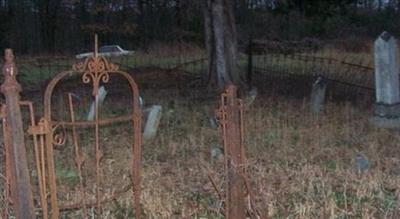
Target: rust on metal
7, 149
239, 198
230, 117
3, 113
48, 133
94, 71
79, 159
102, 122
38, 132
41, 128
17, 167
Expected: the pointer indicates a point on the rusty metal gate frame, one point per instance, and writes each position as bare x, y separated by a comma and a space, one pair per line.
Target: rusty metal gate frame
17, 188
7, 149
94, 70
238, 192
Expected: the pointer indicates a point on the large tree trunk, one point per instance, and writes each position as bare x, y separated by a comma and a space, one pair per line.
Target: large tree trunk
221, 43
209, 42
231, 43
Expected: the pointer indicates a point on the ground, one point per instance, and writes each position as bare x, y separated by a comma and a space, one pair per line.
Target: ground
299, 165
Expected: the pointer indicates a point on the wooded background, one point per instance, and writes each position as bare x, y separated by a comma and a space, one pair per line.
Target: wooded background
66, 26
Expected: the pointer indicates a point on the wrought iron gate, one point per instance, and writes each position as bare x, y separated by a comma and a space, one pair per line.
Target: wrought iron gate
48, 133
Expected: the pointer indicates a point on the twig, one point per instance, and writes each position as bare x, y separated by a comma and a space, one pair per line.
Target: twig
2, 176
251, 208
215, 186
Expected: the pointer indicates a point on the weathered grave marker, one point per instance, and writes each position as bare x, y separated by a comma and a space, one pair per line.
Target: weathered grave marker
153, 120
362, 163
217, 152
387, 106
213, 122
251, 97
318, 95
99, 100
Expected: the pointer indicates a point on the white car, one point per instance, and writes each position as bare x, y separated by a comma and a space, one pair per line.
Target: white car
107, 51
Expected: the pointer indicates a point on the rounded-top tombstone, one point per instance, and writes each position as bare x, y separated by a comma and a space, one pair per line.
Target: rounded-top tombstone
387, 106
386, 69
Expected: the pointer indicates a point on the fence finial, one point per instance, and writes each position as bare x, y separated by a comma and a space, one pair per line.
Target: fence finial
9, 71
9, 67
8, 55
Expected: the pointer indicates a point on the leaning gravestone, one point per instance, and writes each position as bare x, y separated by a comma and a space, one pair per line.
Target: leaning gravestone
318, 95
153, 120
252, 95
99, 100
217, 153
387, 106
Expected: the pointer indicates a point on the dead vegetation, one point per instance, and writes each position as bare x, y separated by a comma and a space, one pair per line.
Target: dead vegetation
300, 166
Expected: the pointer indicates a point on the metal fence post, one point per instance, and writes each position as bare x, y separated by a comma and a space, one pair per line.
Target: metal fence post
20, 185
230, 116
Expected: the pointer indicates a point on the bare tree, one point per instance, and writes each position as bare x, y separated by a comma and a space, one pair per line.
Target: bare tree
221, 43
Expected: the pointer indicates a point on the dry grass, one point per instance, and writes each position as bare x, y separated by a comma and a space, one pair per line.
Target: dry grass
299, 166
304, 167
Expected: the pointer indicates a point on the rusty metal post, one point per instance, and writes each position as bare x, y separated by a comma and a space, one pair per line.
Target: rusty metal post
20, 187
230, 115
7, 148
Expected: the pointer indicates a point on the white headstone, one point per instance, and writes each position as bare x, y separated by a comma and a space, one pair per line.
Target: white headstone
153, 120
99, 99
387, 106
386, 70
252, 95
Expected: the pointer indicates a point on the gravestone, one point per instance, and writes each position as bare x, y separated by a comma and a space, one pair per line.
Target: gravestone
217, 153
213, 122
153, 120
318, 95
362, 163
387, 106
251, 96
99, 99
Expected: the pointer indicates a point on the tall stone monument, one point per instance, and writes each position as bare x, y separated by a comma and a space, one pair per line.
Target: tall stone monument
387, 106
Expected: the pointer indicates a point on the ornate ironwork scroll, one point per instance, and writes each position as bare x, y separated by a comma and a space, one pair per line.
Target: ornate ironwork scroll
47, 133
